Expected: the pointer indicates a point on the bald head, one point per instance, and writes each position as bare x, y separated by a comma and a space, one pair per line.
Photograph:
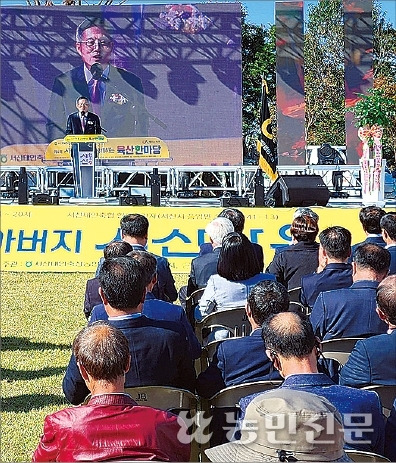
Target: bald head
102, 350
386, 298
289, 334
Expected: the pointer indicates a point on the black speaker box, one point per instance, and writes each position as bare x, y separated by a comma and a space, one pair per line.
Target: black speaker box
134, 200
45, 198
298, 190
155, 188
22, 186
234, 201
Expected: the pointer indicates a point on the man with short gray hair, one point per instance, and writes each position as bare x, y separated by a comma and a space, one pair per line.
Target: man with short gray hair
203, 267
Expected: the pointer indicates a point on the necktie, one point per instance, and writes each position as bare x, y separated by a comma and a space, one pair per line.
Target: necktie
83, 120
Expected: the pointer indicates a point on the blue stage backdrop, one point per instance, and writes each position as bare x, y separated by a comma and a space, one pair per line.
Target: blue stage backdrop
167, 71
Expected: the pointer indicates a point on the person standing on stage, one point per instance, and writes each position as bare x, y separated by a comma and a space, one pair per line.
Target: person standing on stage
82, 121
116, 95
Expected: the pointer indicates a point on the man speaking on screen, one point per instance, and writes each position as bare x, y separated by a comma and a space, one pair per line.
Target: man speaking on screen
116, 95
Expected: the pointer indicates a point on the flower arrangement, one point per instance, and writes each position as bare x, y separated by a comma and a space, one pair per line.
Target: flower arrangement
375, 108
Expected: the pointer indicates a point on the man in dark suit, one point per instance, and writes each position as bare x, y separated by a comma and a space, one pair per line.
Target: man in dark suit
370, 218
202, 267
116, 94
373, 360
242, 360
159, 349
92, 296
388, 227
238, 220
350, 312
334, 271
82, 121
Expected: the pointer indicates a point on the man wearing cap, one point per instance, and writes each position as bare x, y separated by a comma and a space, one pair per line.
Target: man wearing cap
294, 350
284, 425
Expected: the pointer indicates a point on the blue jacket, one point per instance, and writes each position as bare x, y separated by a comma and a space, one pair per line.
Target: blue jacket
159, 310
237, 361
159, 357
390, 433
165, 288
333, 276
392, 268
347, 400
348, 312
372, 361
374, 239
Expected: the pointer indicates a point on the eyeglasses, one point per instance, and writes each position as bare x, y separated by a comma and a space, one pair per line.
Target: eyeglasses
90, 43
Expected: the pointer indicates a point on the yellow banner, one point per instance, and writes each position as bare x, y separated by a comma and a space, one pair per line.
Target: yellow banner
111, 148
47, 238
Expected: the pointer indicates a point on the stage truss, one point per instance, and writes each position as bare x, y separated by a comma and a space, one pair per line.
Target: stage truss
176, 182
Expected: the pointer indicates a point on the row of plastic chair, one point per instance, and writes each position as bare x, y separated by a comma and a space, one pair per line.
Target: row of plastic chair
211, 421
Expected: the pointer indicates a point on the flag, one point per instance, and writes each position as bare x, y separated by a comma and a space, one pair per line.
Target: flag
265, 144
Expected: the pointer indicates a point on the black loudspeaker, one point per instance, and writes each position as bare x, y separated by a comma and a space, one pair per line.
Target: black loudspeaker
259, 188
298, 190
22, 186
234, 201
155, 188
133, 200
45, 198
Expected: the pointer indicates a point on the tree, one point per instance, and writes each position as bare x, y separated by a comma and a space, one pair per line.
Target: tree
258, 61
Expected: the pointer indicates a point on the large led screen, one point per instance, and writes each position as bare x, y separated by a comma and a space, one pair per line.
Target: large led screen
166, 71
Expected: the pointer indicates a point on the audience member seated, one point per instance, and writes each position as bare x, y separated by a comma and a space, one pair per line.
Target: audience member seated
134, 230
373, 360
92, 296
284, 425
111, 426
294, 350
202, 267
238, 220
242, 360
300, 211
350, 312
155, 308
370, 218
299, 259
238, 270
390, 433
388, 227
159, 348
334, 271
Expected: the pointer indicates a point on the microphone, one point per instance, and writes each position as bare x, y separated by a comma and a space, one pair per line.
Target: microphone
97, 72
82, 113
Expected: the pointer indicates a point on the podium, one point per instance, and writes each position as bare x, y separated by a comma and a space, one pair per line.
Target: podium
83, 153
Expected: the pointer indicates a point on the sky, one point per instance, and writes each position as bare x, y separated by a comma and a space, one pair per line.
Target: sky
259, 11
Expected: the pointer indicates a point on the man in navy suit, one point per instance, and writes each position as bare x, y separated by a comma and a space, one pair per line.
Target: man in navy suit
294, 350
350, 312
238, 220
388, 227
116, 94
155, 308
373, 360
202, 267
334, 271
82, 121
370, 218
159, 349
243, 360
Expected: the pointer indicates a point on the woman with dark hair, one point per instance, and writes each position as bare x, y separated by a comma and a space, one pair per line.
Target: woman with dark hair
238, 270
300, 259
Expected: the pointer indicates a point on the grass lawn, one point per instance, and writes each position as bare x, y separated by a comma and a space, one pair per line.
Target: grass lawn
41, 314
